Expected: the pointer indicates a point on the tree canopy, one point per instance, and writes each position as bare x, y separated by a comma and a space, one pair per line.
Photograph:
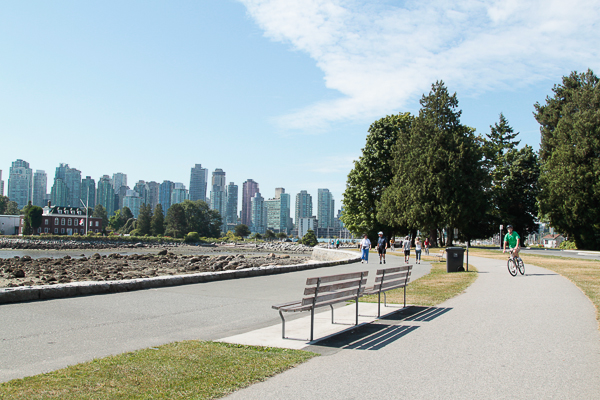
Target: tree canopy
570, 158
157, 222
371, 174
241, 230
439, 177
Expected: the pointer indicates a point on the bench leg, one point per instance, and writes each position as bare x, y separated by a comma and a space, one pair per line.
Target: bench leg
356, 311
378, 304
312, 322
405, 296
331, 313
282, 325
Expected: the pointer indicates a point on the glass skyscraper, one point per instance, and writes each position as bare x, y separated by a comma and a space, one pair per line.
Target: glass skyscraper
20, 183
198, 183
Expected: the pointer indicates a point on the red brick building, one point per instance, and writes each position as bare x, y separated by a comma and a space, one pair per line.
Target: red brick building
65, 221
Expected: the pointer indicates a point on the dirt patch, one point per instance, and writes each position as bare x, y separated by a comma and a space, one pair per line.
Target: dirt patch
26, 271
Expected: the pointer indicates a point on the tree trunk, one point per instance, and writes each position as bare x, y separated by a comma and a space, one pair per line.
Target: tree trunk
433, 238
450, 236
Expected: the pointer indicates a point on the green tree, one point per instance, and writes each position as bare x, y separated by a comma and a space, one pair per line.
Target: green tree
570, 159
200, 218
27, 230
144, 220
175, 222
157, 223
33, 218
309, 238
8, 207
270, 235
440, 180
514, 177
282, 235
100, 212
242, 230
371, 174
116, 222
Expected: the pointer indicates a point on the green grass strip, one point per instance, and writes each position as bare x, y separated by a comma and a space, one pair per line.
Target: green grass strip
181, 370
431, 289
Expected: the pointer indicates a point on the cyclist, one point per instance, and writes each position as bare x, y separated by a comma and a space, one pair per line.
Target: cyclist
512, 239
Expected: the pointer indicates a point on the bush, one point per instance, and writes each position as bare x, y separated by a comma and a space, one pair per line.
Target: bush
568, 245
192, 237
136, 232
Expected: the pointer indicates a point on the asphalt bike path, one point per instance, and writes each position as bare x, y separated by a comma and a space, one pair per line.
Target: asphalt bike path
524, 337
42, 336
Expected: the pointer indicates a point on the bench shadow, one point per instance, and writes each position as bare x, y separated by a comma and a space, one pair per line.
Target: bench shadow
367, 337
378, 334
416, 313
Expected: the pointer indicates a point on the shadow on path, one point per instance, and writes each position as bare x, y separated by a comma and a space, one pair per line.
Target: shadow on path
379, 334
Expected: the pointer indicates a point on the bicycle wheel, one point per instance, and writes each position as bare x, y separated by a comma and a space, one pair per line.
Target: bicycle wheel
521, 265
512, 267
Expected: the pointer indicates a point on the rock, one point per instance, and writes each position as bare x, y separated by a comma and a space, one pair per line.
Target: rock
162, 252
96, 256
19, 273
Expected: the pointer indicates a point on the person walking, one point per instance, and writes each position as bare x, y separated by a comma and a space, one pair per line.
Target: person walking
426, 246
406, 246
365, 246
418, 250
337, 244
381, 246
392, 241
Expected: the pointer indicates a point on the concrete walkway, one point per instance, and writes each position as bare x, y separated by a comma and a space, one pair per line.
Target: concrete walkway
527, 337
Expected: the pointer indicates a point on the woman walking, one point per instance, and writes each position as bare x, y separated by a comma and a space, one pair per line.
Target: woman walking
418, 250
406, 246
365, 246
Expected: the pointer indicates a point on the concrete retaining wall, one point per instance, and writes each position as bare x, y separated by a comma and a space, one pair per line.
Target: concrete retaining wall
320, 258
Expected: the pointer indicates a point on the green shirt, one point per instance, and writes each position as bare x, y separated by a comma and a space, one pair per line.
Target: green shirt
512, 239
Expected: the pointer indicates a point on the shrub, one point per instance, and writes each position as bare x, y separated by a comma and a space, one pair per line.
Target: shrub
192, 237
568, 245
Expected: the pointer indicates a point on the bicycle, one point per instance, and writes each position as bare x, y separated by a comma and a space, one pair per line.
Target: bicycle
515, 264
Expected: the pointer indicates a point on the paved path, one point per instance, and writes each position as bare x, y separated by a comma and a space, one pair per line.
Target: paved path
42, 336
528, 337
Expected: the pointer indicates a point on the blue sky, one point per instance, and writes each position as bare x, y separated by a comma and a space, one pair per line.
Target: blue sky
279, 91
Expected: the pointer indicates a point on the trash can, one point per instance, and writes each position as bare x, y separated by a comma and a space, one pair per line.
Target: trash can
455, 259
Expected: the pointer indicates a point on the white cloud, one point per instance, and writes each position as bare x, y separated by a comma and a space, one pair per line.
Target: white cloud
380, 57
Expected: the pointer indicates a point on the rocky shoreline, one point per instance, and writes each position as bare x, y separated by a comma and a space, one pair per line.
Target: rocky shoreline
27, 271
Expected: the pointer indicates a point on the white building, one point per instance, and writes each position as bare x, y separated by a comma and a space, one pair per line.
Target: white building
9, 224
305, 224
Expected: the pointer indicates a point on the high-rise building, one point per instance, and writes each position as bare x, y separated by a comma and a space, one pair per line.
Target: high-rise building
304, 206
164, 195
120, 196
258, 222
153, 190
1, 184
142, 190
40, 187
133, 201
326, 209
60, 193
179, 193
105, 195
218, 197
119, 179
249, 189
278, 211
198, 183
20, 183
88, 191
231, 213
73, 182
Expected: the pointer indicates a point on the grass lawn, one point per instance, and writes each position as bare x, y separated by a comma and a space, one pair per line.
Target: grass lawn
583, 273
431, 289
181, 370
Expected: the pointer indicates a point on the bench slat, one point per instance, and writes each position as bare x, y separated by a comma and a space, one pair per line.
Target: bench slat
283, 305
322, 304
333, 278
337, 286
332, 296
394, 269
391, 277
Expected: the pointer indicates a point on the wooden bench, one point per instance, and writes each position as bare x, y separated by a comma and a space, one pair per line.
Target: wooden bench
388, 279
325, 291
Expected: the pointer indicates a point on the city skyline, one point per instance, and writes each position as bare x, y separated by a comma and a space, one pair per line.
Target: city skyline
151, 88
172, 192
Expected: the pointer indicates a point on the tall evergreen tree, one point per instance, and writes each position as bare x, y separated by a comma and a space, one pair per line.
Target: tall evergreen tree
440, 179
144, 219
570, 158
371, 174
175, 222
157, 223
514, 180
100, 212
